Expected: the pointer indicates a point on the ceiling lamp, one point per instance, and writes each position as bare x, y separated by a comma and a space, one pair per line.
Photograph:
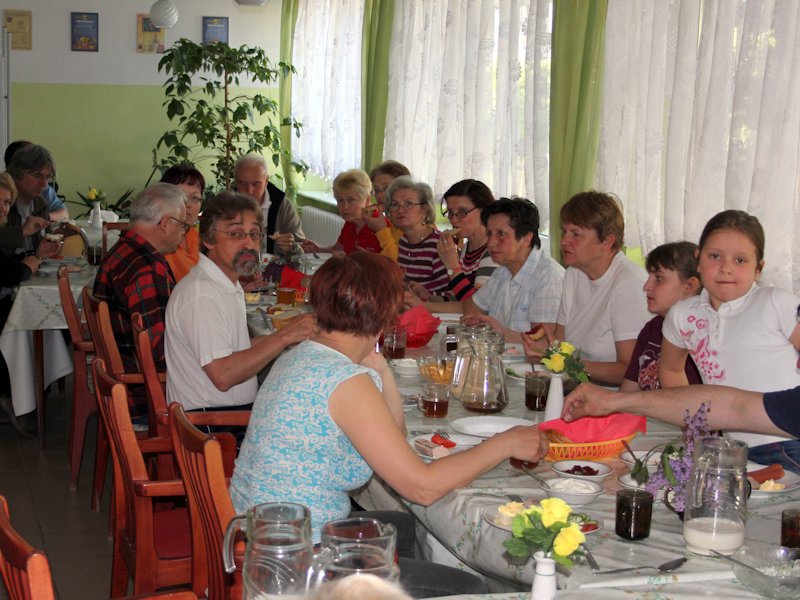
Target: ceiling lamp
163, 14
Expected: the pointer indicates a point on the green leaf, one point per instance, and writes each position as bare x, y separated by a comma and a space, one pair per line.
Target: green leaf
517, 547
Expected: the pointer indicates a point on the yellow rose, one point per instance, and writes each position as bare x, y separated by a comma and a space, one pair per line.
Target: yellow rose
92, 194
568, 540
555, 363
554, 510
566, 348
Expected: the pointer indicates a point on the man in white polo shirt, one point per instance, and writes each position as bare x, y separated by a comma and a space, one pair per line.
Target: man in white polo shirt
212, 362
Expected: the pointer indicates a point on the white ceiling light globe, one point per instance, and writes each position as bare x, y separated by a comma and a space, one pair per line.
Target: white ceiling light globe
163, 14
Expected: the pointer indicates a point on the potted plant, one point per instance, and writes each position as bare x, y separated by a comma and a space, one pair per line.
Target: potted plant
216, 120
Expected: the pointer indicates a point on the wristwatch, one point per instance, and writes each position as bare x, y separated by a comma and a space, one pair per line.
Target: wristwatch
451, 272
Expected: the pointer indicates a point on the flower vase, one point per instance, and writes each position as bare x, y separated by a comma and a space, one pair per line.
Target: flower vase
95, 216
555, 397
544, 578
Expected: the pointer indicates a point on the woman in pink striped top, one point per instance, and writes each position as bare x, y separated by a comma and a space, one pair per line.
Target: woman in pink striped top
412, 211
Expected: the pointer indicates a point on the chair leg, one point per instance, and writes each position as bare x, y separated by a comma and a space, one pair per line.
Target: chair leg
83, 406
100, 466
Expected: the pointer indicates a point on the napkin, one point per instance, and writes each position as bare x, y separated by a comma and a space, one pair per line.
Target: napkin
597, 429
682, 577
292, 278
418, 320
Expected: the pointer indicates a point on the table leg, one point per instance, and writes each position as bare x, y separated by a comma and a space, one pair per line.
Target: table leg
38, 360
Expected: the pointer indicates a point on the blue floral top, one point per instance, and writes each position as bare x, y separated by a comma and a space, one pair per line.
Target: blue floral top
293, 450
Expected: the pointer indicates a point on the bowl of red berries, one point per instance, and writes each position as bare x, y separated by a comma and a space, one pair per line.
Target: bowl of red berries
588, 470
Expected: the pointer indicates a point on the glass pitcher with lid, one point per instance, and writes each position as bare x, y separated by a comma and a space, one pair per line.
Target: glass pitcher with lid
716, 498
478, 379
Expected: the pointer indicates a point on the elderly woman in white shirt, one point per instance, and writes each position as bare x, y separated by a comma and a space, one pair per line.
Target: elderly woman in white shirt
602, 306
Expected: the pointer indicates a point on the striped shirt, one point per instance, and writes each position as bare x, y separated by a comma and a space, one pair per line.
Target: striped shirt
477, 267
421, 263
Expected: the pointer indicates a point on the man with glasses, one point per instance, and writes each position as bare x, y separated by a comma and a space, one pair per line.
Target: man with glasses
212, 363
283, 226
134, 275
55, 205
32, 168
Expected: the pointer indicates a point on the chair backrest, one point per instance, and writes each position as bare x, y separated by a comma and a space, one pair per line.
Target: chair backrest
153, 381
76, 329
25, 570
112, 227
200, 462
99, 318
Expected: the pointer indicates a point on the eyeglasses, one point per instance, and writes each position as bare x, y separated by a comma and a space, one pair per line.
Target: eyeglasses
186, 226
238, 236
460, 214
404, 205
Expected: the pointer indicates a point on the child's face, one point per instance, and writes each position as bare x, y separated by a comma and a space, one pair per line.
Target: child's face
664, 288
728, 266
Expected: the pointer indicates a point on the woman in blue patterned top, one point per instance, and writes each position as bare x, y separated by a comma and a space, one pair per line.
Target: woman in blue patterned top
330, 413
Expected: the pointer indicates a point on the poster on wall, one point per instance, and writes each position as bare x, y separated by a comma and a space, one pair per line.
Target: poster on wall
18, 24
85, 32
215, 29
149, 38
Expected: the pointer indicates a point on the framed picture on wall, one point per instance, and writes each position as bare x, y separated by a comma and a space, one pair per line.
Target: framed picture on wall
215, 29
18, 24
85, 32
149, 38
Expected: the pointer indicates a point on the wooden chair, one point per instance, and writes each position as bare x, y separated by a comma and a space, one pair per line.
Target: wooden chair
83, 403
151, 546
112, 227
200, 462
25, 570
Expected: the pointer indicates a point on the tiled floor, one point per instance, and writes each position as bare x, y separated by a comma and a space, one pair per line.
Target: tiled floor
47, 514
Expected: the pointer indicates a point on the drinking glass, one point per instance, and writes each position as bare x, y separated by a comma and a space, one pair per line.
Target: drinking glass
790, 528
536, 388
634, 510
394, 342
359, 546
435, 401
285, 295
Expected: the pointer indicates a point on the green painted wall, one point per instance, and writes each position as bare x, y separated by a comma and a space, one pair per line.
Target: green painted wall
100, 135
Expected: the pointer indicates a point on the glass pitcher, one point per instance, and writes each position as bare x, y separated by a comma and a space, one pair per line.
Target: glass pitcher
279, 555
716, 498
478, 373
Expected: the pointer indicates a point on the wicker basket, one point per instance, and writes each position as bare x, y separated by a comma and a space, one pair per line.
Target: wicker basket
588, 450
417, 340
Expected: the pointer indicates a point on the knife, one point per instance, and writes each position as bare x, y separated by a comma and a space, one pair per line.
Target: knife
590, 559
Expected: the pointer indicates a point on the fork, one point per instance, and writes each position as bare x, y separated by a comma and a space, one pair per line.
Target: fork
514, 497
444, 434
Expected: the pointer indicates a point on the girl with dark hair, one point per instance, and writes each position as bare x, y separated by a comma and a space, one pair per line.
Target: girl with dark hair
193, 184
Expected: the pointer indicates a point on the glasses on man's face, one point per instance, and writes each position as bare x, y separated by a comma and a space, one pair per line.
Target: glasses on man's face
404, 205
457, 214
239, 236
43, 177
186, 226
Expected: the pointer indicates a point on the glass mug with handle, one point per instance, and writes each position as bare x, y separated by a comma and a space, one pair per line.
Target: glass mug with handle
358, 545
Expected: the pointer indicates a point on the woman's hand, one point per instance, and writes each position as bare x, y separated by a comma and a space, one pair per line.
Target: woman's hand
310, 246
422, 293
376, 360
410, 299
32, 262
448, 251
373, 217
33, 225
525, 443
283, 241
535, 348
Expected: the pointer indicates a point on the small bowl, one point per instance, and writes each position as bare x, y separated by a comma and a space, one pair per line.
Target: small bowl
775, 576
405, 367
652, 460
281, 319
435, 369
561, 467
574, 498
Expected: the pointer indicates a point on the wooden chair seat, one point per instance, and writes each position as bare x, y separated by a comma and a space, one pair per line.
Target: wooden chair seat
24, 569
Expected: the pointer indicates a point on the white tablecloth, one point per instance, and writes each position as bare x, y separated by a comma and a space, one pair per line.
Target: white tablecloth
459, 536
37, 306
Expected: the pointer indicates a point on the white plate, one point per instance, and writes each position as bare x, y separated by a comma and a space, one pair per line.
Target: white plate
489, 512
789, 479
449, 318
627, 481
514, 353
315, 262
487, 426
521, 369
462, 443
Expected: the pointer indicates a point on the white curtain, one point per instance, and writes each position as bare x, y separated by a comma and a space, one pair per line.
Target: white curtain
469, 94
326, 93
701, 113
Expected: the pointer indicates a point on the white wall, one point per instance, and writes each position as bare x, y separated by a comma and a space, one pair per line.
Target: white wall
117, 62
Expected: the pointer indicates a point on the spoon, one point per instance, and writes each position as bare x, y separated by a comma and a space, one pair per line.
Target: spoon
538, 479
628, 448
667, 567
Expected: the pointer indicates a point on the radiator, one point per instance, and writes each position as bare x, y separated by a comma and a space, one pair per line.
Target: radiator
320, 225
